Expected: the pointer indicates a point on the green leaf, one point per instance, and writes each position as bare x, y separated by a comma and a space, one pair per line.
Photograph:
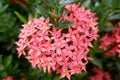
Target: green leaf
3, 9
37, 2
1, 67
65, 24
36, 15
114, 17
8, 60
107, 3
87, 3
42, 11
109, 28
65, 2
21, 17
61, 9
0, 5
97, 62
51, 3
91, 53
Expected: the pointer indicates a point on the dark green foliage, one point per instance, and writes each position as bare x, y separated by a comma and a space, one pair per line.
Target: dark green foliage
10, 64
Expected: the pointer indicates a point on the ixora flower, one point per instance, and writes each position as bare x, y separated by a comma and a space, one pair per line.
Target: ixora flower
111, 42
100, 75
61, 50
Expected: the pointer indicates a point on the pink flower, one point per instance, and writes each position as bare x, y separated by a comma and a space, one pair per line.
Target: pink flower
60, 50
100, 75
112, 40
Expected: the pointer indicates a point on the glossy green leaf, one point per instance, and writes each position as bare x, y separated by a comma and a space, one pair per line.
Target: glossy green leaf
65, 2
21, 17
109, 28
0, 5
42, 11
1, 67
51, 3
114, 17
87, 3
36, 15
3, 9
8, 60
107, 3
97, 62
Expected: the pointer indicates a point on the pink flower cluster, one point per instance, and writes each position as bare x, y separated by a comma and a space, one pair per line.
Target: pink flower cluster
111, 42
61, 50
100, 75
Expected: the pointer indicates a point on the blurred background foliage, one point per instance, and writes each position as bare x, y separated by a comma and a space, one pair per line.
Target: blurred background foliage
13, 13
